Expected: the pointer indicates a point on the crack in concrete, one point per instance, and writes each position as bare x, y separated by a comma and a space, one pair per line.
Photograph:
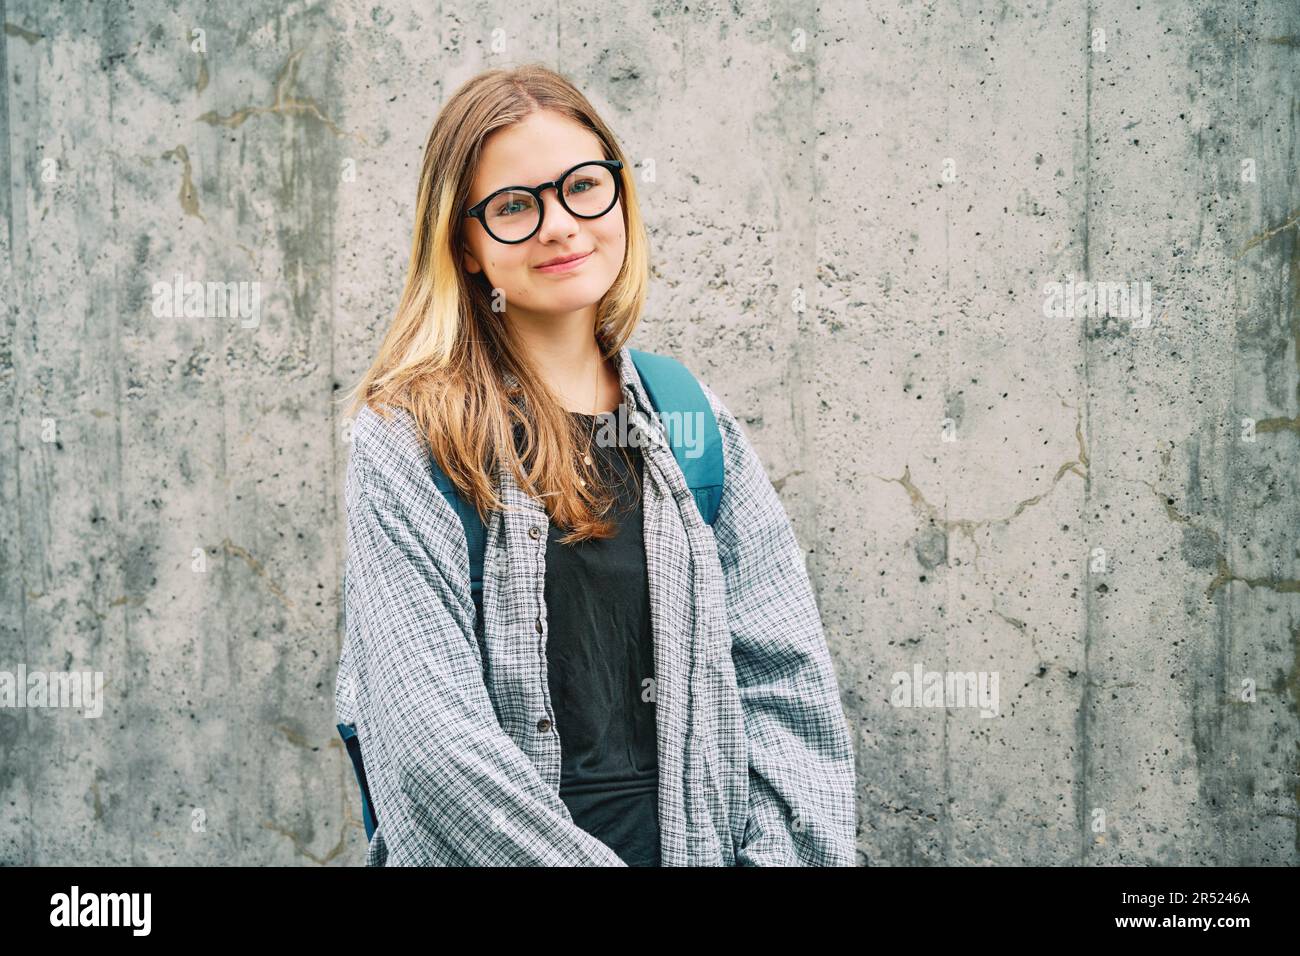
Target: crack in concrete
1020, 626
1266, 235
298, 740
779, 483
1224, 573
231, 548
1278, 425
967, 526
298, 844
284, 105
189, 196
132, 599
14, 30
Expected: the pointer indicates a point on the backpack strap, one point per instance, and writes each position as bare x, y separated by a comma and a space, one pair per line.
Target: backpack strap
349, 734
690, 424
475, 532
684, 409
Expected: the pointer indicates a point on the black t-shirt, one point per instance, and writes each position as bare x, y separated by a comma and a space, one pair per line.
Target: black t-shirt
600, 667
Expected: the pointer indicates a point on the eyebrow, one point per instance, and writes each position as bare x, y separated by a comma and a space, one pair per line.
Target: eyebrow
551, 179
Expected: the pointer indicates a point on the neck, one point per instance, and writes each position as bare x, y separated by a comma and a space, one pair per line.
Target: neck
564, 351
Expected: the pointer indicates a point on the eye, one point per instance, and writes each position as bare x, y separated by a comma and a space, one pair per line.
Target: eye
512, 205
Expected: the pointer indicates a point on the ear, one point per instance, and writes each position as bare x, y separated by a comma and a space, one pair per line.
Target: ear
471, 264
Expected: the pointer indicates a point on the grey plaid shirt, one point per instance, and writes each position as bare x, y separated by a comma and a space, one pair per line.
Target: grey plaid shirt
462, 756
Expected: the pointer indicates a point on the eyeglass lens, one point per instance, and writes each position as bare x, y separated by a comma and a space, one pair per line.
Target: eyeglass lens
514, 214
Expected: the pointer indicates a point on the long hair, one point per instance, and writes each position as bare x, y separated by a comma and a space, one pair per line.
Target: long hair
447, 354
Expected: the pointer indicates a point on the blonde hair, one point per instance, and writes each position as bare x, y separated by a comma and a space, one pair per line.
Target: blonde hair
447, 350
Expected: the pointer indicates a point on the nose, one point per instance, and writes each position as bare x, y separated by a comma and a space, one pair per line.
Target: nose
557, 222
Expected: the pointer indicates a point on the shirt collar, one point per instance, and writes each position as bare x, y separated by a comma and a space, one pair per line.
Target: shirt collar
630, 383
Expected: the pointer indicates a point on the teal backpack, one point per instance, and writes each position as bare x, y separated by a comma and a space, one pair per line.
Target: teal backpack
677, 398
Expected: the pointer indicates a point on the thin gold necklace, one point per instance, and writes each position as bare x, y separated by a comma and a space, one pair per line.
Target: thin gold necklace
586, 458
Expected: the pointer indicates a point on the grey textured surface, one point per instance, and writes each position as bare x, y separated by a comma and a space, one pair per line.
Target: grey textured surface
781, 175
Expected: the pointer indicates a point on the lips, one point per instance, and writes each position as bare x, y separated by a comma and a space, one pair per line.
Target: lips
564, 260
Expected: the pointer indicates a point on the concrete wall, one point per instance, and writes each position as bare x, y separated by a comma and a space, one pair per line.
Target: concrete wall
1072, 503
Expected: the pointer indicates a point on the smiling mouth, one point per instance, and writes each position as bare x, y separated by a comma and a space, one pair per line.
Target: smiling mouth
567, 263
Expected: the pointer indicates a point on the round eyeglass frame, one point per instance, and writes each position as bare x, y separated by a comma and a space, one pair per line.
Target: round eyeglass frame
476, 211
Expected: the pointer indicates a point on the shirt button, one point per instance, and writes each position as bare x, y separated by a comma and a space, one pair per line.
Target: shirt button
539, 625
535, 532
544, 725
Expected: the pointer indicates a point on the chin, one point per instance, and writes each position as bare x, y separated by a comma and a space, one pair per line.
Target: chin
577, 296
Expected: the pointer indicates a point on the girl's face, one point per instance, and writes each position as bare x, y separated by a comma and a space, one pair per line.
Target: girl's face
538, 149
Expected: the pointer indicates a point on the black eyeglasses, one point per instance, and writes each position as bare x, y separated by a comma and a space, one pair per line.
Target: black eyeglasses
514, 214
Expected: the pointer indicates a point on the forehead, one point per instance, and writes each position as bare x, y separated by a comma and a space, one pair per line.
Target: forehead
537, 149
